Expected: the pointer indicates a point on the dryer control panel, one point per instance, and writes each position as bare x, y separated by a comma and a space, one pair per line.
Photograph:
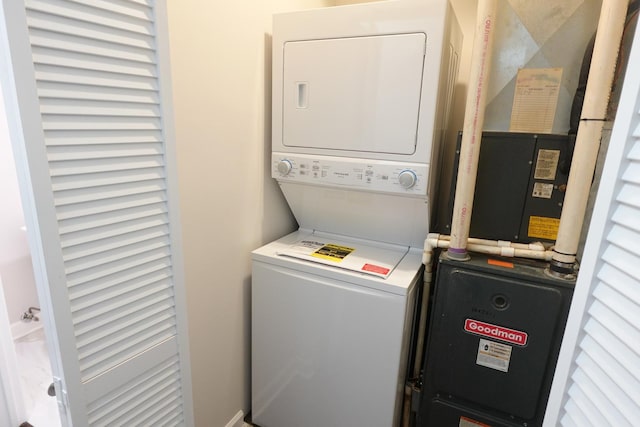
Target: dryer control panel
373, 175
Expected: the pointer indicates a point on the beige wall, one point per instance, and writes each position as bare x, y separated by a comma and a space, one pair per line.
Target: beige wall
220, 58
346, 2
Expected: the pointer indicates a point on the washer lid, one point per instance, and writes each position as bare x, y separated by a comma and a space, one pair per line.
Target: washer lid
349, 255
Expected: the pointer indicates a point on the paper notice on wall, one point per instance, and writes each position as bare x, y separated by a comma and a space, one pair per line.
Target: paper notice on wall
535, 99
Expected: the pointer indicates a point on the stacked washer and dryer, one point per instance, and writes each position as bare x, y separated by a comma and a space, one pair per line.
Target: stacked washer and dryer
361, 96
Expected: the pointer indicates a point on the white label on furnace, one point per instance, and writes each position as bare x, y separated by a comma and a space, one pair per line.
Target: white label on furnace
494, 355
542, 190
547, 164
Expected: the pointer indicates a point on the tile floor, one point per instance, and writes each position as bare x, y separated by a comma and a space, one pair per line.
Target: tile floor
35, 373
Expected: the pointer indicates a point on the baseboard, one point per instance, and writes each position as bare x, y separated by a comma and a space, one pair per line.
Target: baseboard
237, 420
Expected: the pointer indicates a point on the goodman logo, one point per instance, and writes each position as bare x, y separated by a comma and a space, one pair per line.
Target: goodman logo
494, 331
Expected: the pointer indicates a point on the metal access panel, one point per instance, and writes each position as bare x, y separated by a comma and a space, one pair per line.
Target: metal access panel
520, 187
495, 333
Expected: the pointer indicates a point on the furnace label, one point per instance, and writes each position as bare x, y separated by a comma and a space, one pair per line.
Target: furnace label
494, 355
468, 422
542, 190
547, 164
541, 227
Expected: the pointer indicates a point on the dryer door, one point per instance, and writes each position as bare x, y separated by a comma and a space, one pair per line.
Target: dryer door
358, 94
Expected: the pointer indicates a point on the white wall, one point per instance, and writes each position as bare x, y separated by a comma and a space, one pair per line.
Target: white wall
220, 56
15, 259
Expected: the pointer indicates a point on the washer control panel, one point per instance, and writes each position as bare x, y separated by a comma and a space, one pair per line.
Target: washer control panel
374, 175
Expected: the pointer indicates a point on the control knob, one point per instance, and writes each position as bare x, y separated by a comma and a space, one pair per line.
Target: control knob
284, 167
407, 178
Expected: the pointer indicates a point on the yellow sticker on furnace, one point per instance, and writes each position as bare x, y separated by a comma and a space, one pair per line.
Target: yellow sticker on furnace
331, 252
541, 227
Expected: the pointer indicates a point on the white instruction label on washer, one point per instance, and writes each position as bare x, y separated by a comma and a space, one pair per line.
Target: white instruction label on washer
542, 190
494, 355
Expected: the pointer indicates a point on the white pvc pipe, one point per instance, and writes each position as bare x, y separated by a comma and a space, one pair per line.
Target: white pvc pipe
472, 128
536, 246
592, 118
438, 242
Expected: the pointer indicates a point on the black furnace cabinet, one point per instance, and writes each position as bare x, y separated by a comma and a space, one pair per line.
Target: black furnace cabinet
494, 337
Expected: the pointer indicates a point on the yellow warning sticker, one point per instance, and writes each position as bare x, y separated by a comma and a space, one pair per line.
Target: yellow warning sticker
332, 252
541, 227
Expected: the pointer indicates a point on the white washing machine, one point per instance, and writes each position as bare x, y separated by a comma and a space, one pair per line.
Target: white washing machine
330, 343
360, 101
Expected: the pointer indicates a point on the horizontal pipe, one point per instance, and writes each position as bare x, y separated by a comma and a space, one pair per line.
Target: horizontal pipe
536, 246
511, 252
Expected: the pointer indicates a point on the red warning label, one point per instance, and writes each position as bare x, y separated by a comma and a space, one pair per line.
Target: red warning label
375, 269
468, 422
494, 331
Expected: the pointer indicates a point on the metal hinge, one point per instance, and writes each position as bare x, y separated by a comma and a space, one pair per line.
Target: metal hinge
61, 395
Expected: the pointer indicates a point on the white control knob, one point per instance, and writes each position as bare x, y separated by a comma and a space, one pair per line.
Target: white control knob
407, 178
284, 167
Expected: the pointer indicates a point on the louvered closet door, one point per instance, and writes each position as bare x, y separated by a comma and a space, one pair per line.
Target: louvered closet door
597, 381
97, 139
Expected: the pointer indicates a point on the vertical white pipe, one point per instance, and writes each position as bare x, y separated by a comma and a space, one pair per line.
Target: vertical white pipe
592, 118
472, 128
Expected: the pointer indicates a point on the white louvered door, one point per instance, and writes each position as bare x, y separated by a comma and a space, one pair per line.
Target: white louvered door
89, 98
597, 381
